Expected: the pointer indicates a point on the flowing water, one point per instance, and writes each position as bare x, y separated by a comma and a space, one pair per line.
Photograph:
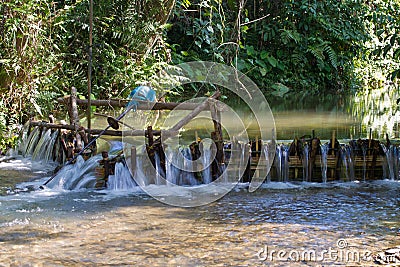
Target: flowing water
69, 223
283, 223
57, 227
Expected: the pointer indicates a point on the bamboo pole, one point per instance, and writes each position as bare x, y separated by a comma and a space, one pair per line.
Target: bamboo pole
194, 113
95, 131
73, 108
89, 85
142, 105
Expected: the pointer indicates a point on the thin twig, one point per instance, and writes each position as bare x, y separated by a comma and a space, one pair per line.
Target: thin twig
254, 20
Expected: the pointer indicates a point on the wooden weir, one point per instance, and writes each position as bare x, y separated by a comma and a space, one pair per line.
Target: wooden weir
73, 135
367, 155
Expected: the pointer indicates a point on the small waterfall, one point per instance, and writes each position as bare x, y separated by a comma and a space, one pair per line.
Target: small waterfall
159, 170
324, 162
206, 161
242, 160
172, 172
81, 174
141, 173
278, 162
179, 167
45, 147
285, 163
122, 179
392, 162
31, 142
282, 163
306, 154
187, 177
347, 162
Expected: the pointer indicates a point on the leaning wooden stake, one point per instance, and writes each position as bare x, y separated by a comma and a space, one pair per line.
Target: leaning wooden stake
194, 113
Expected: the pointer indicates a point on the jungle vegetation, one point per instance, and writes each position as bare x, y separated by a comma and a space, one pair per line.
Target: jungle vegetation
292, 49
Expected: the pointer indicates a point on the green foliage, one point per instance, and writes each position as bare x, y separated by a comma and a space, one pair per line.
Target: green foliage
291, 49
306, 47
44, 51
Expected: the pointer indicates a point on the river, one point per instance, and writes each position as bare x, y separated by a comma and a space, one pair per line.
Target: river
339, 222
280, 224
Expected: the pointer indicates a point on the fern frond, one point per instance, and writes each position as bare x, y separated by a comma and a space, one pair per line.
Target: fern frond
332, 55
298, 58
288, 35
317, 51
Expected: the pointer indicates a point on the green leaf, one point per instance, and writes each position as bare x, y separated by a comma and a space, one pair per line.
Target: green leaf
280, 89
386, 50
250, 50
264, 54
395, 74
198, 43
393, 39
272, 61
262, 71
396, 54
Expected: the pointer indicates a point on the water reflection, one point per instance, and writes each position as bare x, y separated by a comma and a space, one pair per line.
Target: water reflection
377, 109
351, 116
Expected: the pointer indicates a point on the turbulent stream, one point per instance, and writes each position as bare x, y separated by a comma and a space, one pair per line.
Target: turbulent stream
281, 224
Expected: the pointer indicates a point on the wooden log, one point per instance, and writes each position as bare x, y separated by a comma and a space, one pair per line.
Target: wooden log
142, 105
73, 108
74, 117
150, 135
217, 134
96, 131
194, 113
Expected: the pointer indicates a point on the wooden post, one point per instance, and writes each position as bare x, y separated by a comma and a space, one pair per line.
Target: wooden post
369, 141
74, 117
89, 85
217, 137
150, 135
73, 108
104, 171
